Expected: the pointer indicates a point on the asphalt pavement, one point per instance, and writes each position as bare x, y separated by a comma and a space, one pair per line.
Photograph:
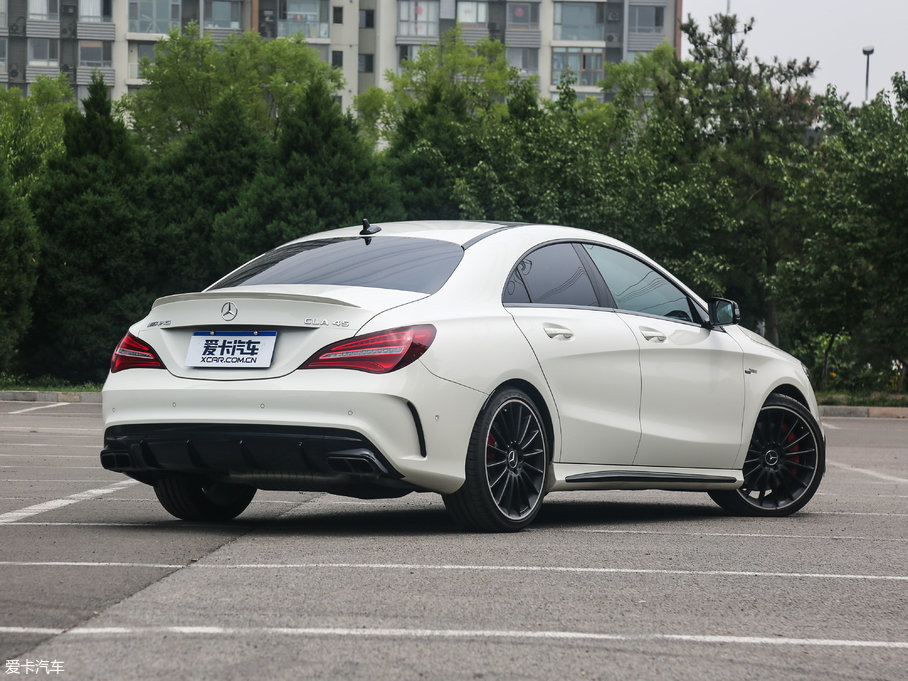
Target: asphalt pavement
98, 582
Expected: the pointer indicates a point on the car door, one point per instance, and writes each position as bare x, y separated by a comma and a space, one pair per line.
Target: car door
692, 376
589, 357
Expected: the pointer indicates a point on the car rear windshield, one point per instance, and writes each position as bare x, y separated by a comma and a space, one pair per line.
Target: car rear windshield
405, 264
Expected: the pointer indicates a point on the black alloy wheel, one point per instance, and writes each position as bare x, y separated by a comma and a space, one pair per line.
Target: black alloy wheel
506, 466
785, 462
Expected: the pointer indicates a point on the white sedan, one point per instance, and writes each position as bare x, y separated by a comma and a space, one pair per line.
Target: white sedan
491, 363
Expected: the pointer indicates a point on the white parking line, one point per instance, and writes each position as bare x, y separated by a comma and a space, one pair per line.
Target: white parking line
29, 511
49, 456
873, 474
483, 634
68, 445
749, 535
45, 406
22, 563
470, 568
42, 429
59, 468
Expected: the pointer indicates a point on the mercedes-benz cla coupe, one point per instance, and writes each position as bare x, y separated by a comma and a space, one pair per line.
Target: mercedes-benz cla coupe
491, 363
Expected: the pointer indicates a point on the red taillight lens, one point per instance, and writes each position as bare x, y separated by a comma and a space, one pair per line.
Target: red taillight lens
132, 353
377, 353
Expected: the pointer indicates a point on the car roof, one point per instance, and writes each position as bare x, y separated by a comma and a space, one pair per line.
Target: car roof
461, 232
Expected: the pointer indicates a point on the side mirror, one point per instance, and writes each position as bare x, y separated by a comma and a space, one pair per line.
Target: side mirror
723, 312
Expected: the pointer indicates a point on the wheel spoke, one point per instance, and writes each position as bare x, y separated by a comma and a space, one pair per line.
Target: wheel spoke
791, 444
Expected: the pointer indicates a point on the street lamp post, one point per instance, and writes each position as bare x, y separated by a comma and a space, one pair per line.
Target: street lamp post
867, 52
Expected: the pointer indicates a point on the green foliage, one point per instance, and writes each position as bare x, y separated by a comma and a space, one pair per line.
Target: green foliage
191, 73
321, 175
31, 129
194, 183
18, 265
96, 250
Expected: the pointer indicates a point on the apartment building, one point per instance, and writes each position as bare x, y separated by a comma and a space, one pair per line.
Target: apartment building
364, 38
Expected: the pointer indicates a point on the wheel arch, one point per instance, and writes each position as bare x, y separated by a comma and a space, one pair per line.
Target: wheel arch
534, 394
789, 391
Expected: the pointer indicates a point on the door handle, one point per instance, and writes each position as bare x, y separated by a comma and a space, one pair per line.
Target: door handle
557, 331
652, 335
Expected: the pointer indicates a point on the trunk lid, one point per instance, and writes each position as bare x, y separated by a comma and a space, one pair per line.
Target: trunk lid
237, 326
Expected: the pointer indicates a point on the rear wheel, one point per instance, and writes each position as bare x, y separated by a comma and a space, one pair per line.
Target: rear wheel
506, 466
193, 499
784, 463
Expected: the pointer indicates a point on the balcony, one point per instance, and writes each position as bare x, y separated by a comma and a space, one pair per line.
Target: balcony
151, 25
309, 29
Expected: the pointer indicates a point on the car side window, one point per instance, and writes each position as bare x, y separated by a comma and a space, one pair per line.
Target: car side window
637, 287
551, 275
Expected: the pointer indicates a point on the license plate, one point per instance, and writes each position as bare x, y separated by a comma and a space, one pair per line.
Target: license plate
231, 349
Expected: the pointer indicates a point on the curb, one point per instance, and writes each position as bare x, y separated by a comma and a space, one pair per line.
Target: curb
830, 410
42, 396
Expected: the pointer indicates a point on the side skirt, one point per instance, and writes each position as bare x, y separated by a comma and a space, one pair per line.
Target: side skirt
576, 476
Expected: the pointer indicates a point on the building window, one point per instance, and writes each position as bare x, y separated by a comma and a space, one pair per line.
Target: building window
526, 59
309, 17
523, 16
367, 18
143, 51
337, 14
646, 19
95, 53
322, 52
366, 63
473, 14
82, 94
587, 63
418, 18
407, 52
95, 10
43, 52
153, 16
337, 59
3, 54
43, 10
579, 21
223, 14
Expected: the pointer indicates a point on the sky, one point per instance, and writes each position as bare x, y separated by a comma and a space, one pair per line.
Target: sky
832, 32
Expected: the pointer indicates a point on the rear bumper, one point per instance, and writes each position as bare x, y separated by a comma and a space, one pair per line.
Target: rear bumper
268, 457
416, 425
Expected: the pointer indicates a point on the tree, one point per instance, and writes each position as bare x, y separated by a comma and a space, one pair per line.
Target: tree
745, 119
857, 260
97, 251
323, 175
193, 183
18, 261
31, 129
191, 73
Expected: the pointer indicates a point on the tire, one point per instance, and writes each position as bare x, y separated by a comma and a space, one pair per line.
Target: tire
785, 462
193, 499
506, 467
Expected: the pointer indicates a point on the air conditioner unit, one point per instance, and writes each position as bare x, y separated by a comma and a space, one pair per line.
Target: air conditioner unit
612, 38
13, 71
614, 16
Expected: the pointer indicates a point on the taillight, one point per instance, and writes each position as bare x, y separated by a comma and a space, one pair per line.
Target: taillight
377, 353
132, 353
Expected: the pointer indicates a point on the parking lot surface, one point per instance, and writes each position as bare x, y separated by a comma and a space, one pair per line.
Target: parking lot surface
99, 582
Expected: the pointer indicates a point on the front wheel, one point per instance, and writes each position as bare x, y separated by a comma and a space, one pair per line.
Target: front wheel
506, 466
192, 499
784, 463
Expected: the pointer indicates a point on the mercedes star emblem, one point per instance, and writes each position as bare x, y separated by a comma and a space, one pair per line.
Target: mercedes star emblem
228, 312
